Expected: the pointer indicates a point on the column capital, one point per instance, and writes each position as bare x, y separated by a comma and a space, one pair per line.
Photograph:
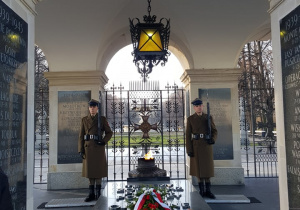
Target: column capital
274, 4
210, 75
30, 5
36, 1
76, 78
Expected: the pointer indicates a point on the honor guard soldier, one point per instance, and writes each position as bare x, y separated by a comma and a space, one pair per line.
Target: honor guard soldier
91, 147
199, 147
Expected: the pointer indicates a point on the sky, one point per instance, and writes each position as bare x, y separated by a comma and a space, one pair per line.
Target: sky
121, 69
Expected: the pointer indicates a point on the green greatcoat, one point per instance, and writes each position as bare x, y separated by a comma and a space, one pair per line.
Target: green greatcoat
95, 164
202, 164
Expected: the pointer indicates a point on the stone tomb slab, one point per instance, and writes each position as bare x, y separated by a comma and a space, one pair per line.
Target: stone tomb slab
68, 202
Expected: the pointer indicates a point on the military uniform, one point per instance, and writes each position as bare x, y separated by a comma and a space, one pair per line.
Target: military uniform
94, 164
200, 149
202, 164
92, 149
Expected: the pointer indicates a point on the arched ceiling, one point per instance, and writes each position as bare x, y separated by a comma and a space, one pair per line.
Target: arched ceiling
79, 35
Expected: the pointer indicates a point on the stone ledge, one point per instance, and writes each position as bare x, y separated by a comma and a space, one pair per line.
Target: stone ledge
66, 180
211, 76
76, 78
226, 176
237, 199
69, 202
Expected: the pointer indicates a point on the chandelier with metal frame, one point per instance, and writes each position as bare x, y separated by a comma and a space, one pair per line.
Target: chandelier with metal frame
150, 42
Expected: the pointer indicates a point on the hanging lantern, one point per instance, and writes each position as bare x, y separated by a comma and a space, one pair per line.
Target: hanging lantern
150, 42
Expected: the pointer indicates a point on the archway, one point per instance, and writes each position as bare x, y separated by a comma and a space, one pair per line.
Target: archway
121, 70
158, 103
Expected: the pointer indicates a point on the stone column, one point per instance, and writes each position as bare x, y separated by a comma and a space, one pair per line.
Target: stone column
69, 93
17, 99
282, 12
228, 168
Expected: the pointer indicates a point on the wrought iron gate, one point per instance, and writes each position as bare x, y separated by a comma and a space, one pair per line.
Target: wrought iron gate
258, 144
257, 111
161, 113
41, 107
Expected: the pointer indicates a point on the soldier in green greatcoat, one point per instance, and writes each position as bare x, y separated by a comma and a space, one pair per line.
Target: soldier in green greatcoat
93, 154
199, 149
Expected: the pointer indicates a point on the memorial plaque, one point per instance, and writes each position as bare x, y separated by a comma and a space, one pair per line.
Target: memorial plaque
13, 100
220, 109
290, 61
72, 106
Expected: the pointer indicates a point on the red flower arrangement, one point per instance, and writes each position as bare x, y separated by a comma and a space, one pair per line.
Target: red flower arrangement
149, 199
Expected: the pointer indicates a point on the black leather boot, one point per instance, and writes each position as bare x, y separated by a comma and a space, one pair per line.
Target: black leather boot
201, 188
208, 193
91, 195
98, 191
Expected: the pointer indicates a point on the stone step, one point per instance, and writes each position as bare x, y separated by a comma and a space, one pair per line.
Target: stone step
69, 202
238, 199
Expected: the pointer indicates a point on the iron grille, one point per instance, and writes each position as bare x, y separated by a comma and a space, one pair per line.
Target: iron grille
41, 105
165, 111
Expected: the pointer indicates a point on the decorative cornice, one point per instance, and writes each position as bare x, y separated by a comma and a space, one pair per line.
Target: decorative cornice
76, 78
29, 7
36, 1
273, 7
210, 76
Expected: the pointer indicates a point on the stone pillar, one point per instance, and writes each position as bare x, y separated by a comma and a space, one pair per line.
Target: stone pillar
17, 99
228, 168
69, 93
286, 104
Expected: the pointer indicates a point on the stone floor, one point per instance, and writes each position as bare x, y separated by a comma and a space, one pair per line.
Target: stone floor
261, 192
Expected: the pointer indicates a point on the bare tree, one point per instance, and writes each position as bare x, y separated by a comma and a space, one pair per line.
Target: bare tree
256, 86
41, 91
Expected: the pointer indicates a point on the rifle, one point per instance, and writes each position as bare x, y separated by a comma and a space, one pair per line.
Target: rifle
99, 140
208, 134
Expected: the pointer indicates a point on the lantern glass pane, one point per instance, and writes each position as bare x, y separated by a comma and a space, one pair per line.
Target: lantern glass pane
150, 40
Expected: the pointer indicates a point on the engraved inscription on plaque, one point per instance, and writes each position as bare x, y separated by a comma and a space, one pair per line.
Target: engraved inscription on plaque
220, 109
13, 95
290, 61
72, 106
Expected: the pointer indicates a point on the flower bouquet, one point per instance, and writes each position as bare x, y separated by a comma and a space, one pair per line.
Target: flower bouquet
149, 199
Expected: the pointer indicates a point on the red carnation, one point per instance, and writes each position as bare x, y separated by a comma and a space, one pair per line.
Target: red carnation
151, 206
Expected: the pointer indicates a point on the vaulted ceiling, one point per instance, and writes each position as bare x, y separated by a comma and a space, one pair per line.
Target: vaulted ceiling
79, 35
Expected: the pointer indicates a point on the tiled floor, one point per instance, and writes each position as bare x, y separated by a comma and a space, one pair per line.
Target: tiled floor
263, 193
